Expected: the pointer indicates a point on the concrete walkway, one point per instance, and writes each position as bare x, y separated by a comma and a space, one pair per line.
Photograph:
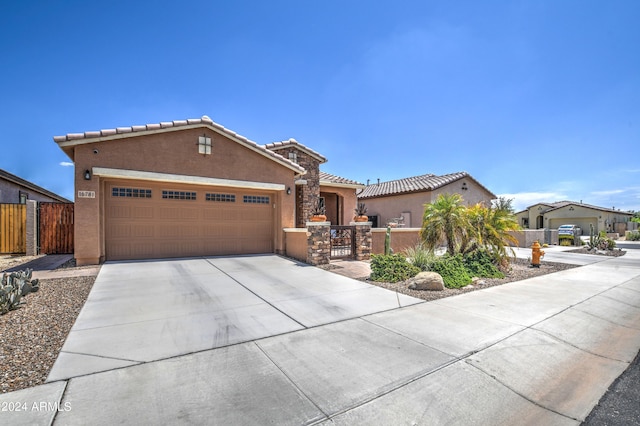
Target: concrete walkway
539, 351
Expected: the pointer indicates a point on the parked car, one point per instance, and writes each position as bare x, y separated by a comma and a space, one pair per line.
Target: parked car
569, 230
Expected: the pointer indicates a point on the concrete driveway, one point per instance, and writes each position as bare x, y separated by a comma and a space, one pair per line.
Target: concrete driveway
264, 340
150, 310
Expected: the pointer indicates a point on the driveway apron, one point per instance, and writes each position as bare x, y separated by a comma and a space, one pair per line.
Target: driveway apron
149, 310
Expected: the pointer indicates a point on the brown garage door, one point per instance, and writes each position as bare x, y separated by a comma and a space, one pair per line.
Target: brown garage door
145, 221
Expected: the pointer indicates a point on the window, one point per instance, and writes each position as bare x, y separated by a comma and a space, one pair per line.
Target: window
23, 197
204, 145
255, 199
293, 156
178, 195
130, 192
224, 198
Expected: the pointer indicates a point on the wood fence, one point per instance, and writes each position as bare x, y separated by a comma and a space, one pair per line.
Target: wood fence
55, 232
13, 238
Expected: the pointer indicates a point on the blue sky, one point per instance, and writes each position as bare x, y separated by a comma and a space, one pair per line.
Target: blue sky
538, 100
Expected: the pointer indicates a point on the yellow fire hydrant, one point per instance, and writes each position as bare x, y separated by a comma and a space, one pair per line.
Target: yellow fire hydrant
536, 254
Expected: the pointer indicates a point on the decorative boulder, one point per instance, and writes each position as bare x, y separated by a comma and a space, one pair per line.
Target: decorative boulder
427, 281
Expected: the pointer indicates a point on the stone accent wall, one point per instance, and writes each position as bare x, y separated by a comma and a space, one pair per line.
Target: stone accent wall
307, 194
363, 240
318, 243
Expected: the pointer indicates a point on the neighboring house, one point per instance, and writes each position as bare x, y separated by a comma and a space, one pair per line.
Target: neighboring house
15, 190
552, 215
402, 201
192, 188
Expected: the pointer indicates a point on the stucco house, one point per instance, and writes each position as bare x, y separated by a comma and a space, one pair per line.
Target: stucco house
403, 200
15, 190
552, 215
190, 188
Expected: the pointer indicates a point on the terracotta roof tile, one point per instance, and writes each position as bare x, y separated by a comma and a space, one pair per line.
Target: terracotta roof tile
426, 182
274, 146
328, 178
204, 120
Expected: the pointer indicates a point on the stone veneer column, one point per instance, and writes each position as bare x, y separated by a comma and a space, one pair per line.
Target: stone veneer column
363, 240
318, 243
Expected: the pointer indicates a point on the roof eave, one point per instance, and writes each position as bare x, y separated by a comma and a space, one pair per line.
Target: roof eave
342, 185
67, 144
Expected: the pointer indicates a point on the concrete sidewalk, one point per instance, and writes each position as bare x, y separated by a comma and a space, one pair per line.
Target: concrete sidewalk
539, 351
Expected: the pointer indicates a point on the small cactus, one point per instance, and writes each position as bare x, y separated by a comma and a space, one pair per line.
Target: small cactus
387, 241
14, 287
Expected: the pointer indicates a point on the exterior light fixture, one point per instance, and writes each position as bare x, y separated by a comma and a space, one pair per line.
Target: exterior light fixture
289, 191
204, 145
87, 175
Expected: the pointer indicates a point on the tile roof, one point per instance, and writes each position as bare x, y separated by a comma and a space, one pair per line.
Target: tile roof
274, 146
560, 204
71, 139
329, 179
427, 182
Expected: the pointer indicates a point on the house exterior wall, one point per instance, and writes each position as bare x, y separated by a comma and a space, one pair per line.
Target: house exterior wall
393, 206
10, 193
340, 204
172, 152
583, 216
574, 214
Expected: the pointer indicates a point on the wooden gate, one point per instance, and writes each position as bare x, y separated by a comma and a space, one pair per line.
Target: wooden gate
13, 225
55, 231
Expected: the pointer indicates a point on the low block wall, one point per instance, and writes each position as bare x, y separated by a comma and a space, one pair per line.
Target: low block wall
295, 243
527, 237
401, 239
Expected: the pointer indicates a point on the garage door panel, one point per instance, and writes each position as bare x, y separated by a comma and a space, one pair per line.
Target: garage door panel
213, 224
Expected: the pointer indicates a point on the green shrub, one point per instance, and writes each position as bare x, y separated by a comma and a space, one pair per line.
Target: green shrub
633, 236
421, 257
391, 268
453, 271
480, 263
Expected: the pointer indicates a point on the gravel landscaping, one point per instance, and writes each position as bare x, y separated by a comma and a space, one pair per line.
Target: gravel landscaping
520, 269
31, 336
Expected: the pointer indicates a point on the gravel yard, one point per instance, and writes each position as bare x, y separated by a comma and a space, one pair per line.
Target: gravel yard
31, 337
520, 270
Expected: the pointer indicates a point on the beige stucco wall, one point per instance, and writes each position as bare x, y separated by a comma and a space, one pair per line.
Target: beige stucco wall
339, 212
172, 152
401, 239
389, 207
296, 243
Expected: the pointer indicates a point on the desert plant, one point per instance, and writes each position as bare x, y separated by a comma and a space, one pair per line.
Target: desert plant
633, 236
391, 268
361, 210
387, 242
480, 263
444, 221
318, 208
14, 287
453, 271
421, 257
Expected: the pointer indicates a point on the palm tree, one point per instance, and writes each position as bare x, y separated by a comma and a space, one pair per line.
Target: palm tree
444, 220
498, 227
490, 228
